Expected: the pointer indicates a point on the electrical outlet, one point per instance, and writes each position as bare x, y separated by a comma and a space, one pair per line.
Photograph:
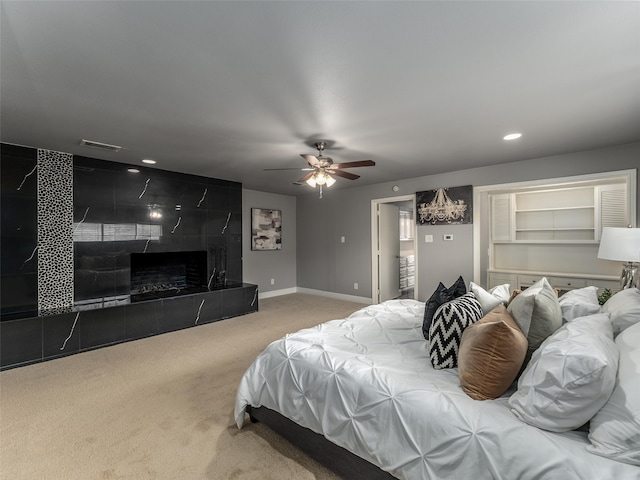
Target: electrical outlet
273, 281
447, 236
355, 286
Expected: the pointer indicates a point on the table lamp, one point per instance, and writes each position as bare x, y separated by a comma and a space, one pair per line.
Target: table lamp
622, 245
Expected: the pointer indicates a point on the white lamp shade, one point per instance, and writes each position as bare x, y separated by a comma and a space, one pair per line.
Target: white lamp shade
330, 180
311, 181
620, 244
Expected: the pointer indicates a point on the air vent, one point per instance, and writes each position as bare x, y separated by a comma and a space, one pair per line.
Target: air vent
101, 146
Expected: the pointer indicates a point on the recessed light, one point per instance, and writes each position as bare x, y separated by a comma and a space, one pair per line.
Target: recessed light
512, 136
133, 170
149, 161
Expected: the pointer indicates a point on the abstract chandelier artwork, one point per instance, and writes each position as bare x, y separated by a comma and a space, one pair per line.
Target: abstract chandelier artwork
444, 206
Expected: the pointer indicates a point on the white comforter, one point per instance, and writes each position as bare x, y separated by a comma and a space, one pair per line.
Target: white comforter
366, 384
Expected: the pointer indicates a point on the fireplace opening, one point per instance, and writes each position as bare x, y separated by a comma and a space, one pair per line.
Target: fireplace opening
167, 274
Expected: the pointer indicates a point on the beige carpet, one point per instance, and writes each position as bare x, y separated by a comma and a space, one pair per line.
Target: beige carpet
157, 408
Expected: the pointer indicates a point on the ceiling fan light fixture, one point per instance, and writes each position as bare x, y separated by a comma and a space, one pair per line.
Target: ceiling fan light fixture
321, 178
323, 171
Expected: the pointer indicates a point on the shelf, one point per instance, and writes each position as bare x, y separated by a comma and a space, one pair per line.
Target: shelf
553, 229
555, 274
554, 209
563, 223
559, 241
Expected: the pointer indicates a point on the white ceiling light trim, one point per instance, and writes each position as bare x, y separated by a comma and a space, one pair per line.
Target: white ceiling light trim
512, 136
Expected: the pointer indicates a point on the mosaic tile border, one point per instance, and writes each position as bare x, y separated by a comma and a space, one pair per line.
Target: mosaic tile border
55, 232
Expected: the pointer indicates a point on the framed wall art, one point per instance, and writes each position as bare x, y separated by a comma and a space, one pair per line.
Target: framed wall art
266, 229
445, 206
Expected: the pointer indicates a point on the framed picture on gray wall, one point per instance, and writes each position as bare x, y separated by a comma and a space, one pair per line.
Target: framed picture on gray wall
445, 206
266, 229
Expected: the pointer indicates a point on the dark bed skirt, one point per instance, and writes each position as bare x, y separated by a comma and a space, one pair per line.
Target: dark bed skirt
344, 463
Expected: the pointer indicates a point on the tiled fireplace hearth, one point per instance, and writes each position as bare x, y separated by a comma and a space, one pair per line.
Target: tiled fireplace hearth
94, 255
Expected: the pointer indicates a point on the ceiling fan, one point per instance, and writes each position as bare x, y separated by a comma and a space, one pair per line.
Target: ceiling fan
321, 168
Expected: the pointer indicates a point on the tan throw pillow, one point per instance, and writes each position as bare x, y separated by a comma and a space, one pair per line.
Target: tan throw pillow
491, 354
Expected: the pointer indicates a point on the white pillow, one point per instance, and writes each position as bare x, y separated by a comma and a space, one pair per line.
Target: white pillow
491, 299
579, 303
624, 309
570, 377
615, 430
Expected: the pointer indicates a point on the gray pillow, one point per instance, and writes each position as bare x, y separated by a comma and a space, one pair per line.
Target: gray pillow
537, 312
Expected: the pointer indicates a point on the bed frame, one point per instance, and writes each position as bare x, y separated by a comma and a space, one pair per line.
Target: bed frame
344, 463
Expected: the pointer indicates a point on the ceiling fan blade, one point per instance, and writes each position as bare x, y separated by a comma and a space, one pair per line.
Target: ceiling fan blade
299, 169
311, 159
306, 177
360, 163
343, 174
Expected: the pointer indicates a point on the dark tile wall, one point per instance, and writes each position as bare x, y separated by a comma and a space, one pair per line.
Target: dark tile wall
19, 232
194, 213
31, 340
198, 213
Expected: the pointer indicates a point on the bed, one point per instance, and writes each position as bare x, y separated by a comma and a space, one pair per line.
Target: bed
365, 384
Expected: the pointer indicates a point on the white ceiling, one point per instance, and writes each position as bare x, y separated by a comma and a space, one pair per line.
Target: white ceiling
226, 89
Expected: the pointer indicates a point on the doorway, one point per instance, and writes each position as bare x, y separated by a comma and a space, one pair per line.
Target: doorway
394, 260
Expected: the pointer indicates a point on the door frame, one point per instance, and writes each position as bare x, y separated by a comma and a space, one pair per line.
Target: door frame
375, 281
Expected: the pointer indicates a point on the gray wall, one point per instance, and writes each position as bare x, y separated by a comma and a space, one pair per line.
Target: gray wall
259, 267
323, 263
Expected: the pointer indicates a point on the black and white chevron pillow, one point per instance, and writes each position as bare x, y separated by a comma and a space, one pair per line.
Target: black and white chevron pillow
447, 326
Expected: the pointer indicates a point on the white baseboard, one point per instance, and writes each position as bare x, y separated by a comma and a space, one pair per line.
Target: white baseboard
277, 293
310, 291
337, 296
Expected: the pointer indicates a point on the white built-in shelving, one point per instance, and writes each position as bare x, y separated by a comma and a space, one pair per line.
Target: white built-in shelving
554, 231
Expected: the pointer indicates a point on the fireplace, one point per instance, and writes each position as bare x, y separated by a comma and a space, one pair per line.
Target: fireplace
167, 274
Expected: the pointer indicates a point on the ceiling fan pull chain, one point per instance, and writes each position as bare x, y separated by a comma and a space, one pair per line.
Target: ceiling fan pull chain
320, 191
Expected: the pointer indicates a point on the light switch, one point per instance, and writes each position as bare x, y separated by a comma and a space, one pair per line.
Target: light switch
342, 239
428, 239
447, 236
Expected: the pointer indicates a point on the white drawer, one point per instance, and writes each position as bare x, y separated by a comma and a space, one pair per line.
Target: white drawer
567, 282
525, 281
613, 285
495, 279
563, 283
